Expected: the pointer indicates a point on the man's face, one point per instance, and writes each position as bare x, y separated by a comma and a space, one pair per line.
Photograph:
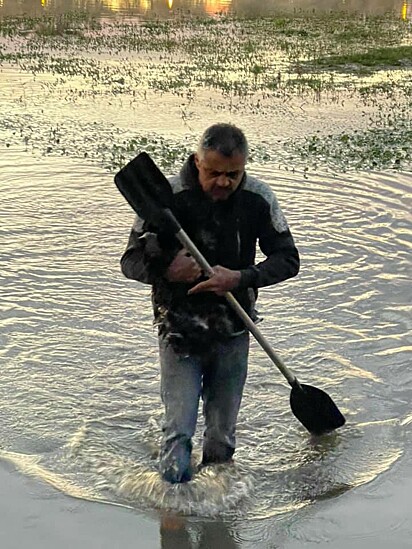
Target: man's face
219, 176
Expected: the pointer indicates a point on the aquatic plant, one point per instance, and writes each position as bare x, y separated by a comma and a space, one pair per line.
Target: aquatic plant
255, 66
373, 59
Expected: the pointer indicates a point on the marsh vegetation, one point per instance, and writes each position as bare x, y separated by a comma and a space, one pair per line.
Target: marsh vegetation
235, 66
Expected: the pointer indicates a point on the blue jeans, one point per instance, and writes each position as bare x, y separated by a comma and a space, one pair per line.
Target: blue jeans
218, 377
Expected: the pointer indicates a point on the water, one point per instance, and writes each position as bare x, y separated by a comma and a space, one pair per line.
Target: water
79, 368
209, 7
79, 392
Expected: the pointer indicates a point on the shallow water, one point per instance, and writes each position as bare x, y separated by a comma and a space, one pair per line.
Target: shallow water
79, 375
79, 368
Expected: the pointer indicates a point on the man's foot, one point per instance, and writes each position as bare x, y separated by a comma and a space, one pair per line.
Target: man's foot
176, 477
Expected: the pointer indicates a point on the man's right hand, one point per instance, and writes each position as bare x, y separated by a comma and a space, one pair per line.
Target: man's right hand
183, 268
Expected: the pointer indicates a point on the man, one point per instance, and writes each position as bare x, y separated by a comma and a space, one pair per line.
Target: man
203, 345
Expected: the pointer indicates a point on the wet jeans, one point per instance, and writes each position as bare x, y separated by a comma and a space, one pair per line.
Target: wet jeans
218, 377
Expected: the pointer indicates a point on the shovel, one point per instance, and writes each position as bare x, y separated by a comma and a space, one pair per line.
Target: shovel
150, 195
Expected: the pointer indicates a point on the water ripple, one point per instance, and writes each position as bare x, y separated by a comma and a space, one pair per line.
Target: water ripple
79, 370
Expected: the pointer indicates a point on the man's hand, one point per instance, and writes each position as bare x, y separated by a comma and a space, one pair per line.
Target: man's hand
183, 268
223, 280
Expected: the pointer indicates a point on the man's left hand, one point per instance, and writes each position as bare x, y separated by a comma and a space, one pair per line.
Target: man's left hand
223, 280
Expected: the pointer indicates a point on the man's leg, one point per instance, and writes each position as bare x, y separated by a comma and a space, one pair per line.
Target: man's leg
181, 379
223, 383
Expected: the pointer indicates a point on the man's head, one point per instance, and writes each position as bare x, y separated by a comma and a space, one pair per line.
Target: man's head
221, 159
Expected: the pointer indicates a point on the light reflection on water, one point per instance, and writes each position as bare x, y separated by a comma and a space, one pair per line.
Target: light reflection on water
165, 8
79, 387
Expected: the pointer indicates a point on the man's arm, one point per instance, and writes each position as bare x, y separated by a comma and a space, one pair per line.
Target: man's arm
145, 259
282, 260
276, 243
281, 264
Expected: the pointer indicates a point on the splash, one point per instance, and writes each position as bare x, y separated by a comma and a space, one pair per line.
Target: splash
214, 491
132, 479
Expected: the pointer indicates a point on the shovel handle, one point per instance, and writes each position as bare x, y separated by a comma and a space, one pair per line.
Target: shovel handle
185, 240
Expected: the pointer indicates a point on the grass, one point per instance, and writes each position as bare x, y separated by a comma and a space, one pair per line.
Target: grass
375, 149
248, 65
387, 144
109, 146
238, 57
377, 58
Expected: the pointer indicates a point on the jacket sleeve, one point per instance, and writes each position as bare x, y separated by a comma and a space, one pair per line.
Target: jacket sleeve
147, 255
277, 244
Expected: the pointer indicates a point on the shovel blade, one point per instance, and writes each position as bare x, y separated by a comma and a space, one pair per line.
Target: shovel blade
315, 409
145, 188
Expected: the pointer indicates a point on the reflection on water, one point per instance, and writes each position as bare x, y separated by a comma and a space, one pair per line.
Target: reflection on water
79, 376
177, 533
209, 7
406, 12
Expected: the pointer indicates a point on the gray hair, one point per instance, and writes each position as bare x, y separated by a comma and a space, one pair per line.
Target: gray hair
225, 139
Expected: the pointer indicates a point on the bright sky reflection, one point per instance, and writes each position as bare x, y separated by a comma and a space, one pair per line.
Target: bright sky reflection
210, 7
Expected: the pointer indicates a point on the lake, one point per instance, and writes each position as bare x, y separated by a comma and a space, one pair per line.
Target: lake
323, 93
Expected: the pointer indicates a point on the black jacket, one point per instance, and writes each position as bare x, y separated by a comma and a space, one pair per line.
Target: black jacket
226, 233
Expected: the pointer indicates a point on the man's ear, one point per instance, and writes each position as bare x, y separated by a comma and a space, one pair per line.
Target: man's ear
197, 160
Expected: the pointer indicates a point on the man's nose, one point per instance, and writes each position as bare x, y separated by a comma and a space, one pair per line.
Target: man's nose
223, 181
